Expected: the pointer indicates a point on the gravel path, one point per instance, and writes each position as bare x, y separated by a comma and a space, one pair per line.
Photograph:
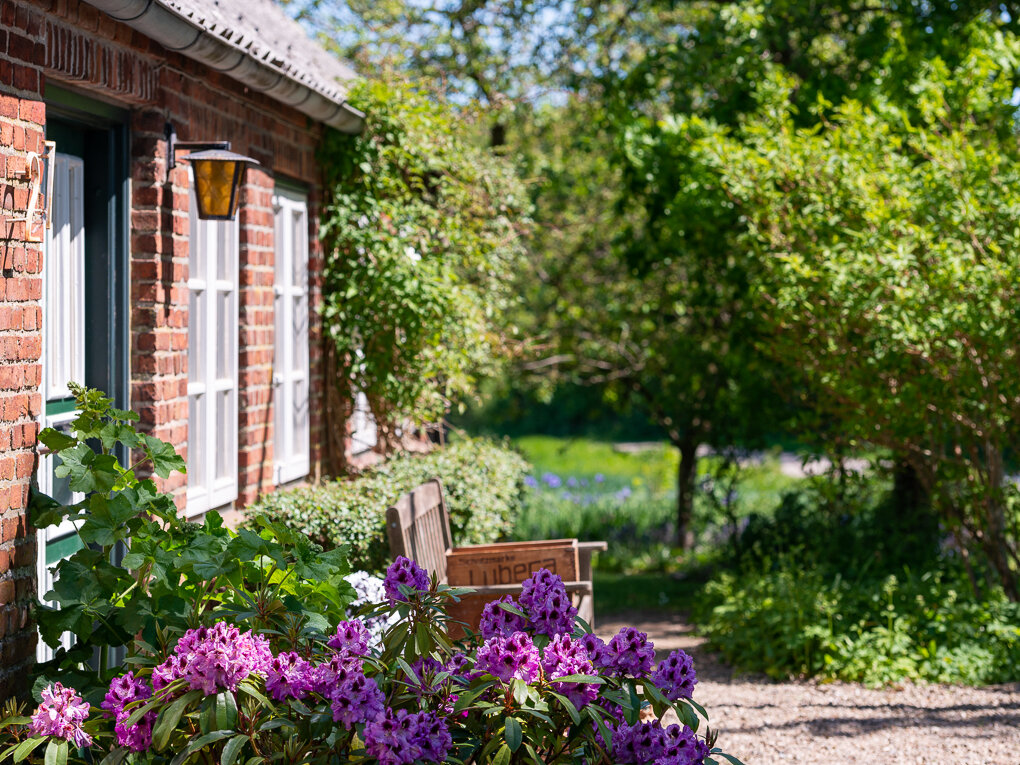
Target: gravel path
763, 722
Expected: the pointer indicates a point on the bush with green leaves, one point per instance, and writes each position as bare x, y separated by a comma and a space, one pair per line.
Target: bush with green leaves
421, 229
846, 586
482, 483
174, 575
795, 622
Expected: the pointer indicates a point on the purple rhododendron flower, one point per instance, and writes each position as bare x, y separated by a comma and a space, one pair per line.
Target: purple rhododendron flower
351, 638
675, 676
215, 658
324, 678
170, 670
628, 653
61, 714
123, 690
562, 657
547, 604
595, 648
638, 744
648, 742
356, 699
681, 746
401, 737
499, 621
404, 571
509, 658
287, 677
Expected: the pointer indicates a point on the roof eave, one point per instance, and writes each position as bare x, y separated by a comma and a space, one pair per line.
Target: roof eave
177, 33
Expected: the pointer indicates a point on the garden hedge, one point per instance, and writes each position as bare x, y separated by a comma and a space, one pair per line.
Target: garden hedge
482, 482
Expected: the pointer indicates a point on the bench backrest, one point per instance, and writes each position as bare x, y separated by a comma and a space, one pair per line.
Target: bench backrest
418, 527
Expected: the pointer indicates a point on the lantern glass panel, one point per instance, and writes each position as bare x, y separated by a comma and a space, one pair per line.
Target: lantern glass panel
216, 187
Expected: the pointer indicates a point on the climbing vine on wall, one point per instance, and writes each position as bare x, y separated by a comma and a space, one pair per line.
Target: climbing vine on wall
422, 227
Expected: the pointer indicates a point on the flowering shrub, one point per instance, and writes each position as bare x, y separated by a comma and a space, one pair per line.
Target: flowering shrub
175, 576
238, 649
545, 693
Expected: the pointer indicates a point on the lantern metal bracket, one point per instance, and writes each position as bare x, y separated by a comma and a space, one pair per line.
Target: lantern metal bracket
173, 146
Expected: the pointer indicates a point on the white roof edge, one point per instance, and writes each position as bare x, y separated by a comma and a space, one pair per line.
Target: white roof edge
242, 55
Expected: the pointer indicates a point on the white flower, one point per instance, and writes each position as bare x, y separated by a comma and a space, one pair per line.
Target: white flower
412, 253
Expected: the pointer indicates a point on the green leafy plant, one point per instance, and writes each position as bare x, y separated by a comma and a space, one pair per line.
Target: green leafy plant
421, 234
143, 574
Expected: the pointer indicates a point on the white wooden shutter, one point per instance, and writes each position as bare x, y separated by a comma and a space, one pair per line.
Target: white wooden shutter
63, 356
64, 264
291, 447
212, 362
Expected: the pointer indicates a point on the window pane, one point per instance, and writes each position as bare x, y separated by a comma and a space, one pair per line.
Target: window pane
196, 440
226, 321
301, 415
299, 263
226, 446
299, 337
196, 337
226, 250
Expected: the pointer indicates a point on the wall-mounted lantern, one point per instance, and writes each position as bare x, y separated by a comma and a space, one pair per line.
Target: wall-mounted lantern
218, 173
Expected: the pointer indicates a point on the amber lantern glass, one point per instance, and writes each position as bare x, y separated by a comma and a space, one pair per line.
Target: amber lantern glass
218, 176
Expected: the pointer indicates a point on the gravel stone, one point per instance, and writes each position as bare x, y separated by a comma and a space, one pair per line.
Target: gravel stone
762, 721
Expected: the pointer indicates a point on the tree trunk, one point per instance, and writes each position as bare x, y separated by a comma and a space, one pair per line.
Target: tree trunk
994, 540
686, 475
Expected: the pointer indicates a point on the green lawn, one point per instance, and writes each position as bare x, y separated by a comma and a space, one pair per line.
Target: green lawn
593, 491
618, 593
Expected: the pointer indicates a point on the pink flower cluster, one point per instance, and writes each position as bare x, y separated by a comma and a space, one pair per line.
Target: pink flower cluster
124, 690
509, 658
214, 658
563, 657
62, 714
402, 737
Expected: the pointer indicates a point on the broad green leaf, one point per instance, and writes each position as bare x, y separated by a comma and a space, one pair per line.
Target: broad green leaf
513, 733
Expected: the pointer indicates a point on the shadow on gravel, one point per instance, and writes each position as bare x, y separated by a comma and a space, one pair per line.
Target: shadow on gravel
901, 717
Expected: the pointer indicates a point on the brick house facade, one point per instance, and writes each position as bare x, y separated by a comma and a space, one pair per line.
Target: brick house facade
177, 319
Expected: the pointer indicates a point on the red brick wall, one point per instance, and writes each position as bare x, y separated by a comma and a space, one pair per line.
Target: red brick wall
116, 63
72, 44
22, 116
255, 341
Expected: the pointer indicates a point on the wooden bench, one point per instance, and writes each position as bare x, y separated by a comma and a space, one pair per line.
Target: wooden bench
418, 527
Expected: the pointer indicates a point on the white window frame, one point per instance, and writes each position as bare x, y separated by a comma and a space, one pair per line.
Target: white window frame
63, 343
212, 446
291, 363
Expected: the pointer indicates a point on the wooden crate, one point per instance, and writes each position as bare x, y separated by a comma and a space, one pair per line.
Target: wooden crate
510, 562
506, 563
